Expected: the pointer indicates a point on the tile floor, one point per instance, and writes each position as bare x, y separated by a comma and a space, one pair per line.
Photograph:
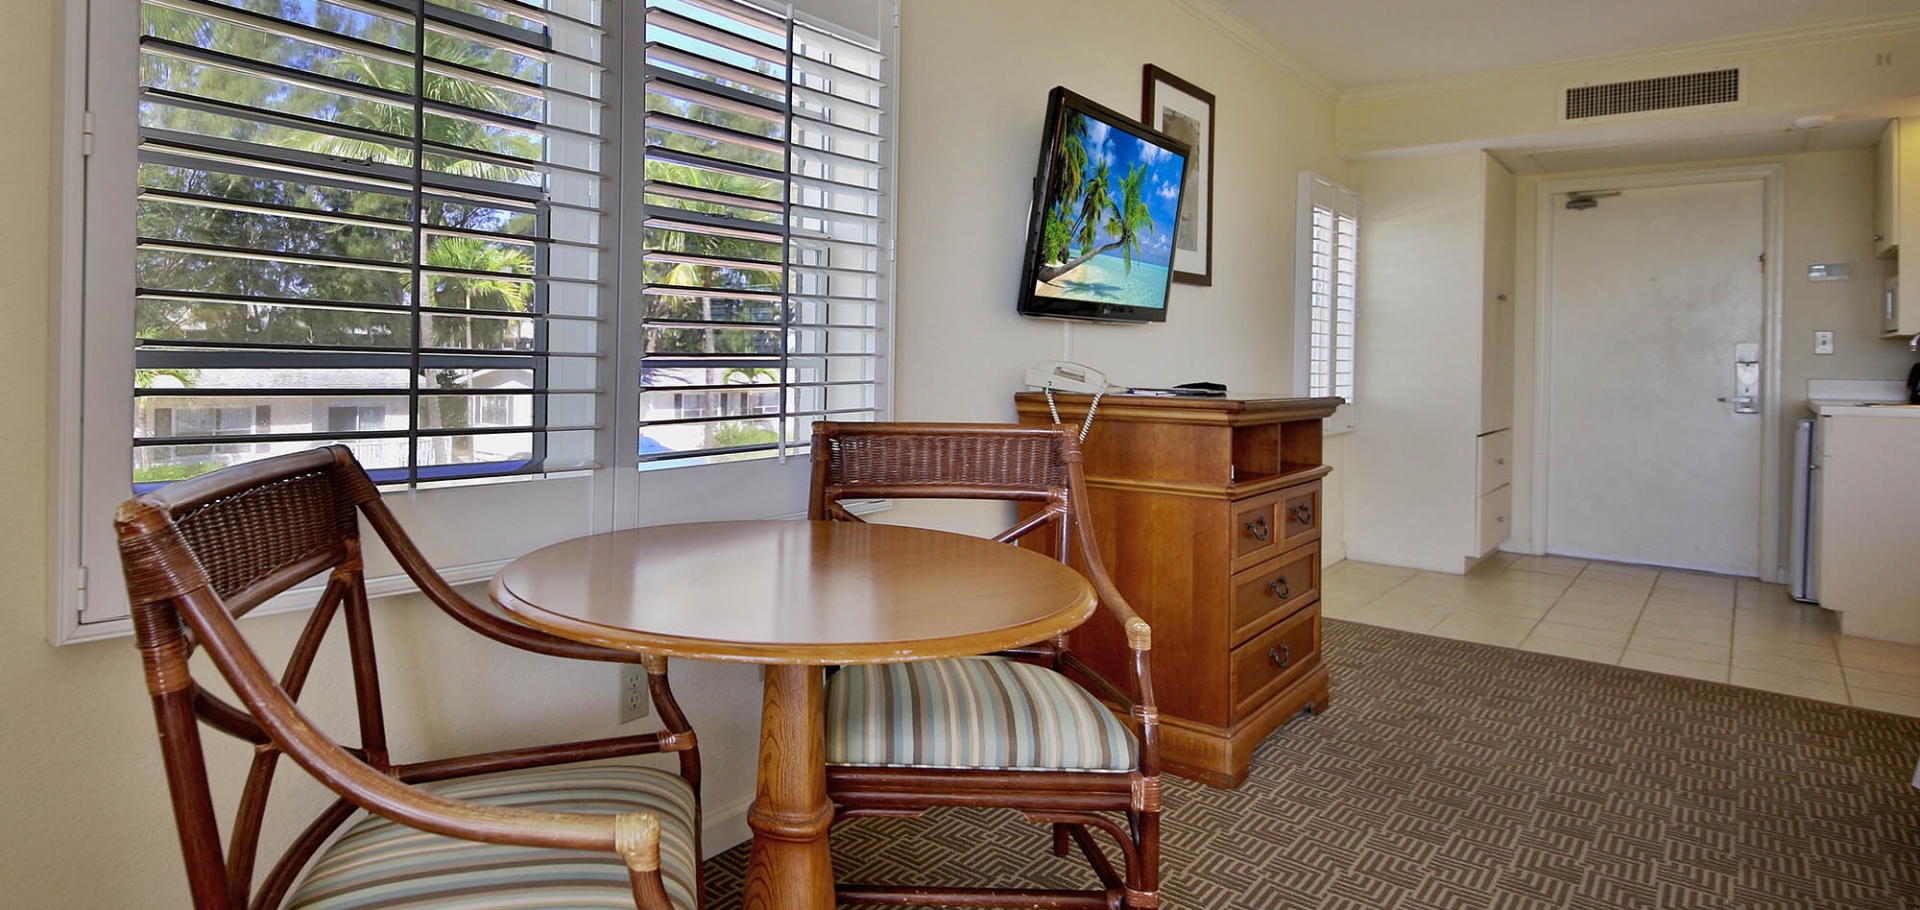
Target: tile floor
1714, 627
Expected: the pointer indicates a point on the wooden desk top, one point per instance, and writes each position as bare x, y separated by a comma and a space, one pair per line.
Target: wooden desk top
794, 592
1233, 409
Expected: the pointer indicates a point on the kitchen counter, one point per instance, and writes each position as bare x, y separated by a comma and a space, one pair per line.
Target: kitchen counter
1859, 397
1830, 408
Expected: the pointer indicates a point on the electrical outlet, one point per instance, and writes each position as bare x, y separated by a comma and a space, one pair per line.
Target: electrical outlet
634, 700
1823, 342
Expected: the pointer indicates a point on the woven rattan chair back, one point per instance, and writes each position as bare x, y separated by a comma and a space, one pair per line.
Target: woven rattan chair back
200, 553
855, 461
249, 535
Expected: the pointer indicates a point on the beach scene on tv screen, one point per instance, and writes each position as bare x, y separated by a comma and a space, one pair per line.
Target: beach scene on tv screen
1110, 218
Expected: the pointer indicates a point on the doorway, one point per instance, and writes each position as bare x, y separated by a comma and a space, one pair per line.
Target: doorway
1653, 295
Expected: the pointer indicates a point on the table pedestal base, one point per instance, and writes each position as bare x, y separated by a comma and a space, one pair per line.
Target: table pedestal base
791, 867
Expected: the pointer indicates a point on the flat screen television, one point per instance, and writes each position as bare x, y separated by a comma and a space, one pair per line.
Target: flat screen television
1106, 203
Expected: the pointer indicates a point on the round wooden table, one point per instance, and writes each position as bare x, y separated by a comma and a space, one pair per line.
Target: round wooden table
794, 595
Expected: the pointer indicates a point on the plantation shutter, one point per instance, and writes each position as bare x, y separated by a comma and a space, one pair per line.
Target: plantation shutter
373, 222
1335, 244
763, 225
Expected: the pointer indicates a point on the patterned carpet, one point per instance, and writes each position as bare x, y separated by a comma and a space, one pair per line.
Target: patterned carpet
1455, 775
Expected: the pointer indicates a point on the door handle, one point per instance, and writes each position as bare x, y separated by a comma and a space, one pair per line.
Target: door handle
1746, 379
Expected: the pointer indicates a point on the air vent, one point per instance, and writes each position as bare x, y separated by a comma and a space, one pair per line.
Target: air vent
1714, 88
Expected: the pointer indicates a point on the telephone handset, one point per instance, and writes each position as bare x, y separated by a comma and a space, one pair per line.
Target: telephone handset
1073, 378
1066, 376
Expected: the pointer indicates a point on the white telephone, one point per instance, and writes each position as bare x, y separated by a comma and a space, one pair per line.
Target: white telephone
1066, 376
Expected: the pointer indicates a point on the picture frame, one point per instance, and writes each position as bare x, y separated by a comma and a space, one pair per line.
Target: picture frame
1185, 111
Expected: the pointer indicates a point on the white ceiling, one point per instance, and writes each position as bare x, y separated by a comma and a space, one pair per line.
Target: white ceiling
1368, 42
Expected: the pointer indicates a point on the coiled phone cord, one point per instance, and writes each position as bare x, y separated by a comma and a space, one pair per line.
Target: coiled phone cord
1088, 424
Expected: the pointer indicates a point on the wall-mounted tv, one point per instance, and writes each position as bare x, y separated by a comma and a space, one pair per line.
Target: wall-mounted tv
1106, 203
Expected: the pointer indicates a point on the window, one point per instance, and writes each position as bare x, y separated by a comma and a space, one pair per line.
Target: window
350, 419
473, 240
494, 411
340, 199
762, 221
1327, 266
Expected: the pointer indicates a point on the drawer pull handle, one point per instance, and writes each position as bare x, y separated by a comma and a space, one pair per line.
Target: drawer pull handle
1258, 528
1280, 588
1302, 513
1279, 657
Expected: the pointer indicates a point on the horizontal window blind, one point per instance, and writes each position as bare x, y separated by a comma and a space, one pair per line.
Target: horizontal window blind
762, 231
1335, 221
372, 222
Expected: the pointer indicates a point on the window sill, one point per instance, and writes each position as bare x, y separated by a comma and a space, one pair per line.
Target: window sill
304, 597
467, 532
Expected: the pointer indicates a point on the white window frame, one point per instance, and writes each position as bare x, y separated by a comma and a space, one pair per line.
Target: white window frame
93, 415
771, 487
1311, 185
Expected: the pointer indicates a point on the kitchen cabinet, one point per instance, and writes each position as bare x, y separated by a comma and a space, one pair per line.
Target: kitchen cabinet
1869, 520
1886, 203
1896, 216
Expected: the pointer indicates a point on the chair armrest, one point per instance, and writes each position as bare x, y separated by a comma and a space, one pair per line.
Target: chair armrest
635, 836
1139, 634
492, 625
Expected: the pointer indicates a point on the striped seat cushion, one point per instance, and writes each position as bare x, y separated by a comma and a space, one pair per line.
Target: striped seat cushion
971, 712
386, 865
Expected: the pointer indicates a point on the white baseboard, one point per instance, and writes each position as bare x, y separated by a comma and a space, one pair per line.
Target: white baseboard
725, 827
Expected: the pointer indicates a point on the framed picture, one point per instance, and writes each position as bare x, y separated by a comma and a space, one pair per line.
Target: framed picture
1184, 111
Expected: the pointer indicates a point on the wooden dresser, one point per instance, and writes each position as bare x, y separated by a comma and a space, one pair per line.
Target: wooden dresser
1207, 511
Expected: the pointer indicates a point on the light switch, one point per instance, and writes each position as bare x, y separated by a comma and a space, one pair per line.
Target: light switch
1823, 342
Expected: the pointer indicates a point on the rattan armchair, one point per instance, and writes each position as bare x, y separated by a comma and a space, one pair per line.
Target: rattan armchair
525, 827
1024, 730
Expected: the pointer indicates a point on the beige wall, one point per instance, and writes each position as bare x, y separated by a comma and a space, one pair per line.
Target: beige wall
1829, 218
1333, 500
88, 824
973, 97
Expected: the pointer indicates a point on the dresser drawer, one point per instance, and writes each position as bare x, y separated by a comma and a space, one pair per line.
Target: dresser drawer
1274, 589
1267, 525
1299, 515
1496, 461
1274, 658
1255, 530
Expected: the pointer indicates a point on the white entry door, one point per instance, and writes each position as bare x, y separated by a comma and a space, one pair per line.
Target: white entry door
1653, 290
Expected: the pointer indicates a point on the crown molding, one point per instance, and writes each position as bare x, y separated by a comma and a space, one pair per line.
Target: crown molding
1876, 26
1212, 13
